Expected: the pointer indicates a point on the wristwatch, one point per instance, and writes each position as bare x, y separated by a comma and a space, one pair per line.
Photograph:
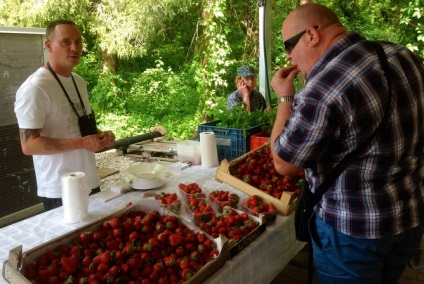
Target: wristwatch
285, 99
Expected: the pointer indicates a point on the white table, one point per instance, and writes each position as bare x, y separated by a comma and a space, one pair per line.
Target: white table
259, 262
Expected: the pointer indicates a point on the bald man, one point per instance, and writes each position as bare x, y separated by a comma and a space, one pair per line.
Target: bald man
370, 221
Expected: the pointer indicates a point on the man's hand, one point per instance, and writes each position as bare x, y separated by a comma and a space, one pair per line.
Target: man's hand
161, 130
282, 83
108, 138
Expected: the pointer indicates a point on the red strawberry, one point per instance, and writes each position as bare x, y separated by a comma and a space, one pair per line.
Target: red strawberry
69, 264
158, 267
125, 268
115, 223
104, 257
86, 261
98, 236
86, 238
31, 271
114, 270
175, 240
169, 261
44, 274
103, 267
135, 263
186, 274
184, 263
201, 237
53, 280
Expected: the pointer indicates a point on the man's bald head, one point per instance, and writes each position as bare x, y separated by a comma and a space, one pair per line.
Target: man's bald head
308, 32
312, 14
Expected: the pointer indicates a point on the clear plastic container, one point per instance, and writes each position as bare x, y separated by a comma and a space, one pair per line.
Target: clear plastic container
189, 151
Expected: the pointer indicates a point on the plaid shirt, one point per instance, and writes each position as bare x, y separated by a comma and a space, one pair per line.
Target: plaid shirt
342, 103
257, 101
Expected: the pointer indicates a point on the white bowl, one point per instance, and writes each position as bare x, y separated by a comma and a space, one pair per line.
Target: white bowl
146, 171
146, 184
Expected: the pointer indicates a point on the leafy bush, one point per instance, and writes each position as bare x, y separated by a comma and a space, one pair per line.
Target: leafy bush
156, 96
239, 118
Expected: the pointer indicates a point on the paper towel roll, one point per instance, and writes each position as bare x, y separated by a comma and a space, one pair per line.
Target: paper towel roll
75, 197
208, 150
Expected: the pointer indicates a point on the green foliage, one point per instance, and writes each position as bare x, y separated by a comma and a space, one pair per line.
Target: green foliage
108, 94
212, 60
157, 95
127, 28
239, 118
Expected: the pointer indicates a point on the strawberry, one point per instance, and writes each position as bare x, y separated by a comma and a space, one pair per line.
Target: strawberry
184, 263
125, 268
44, 274
103, 267
175, 240
169, 261
31, 271
134, 263
114, 270
104, 257
158, 267
133, 236
201, 238
112, 244
54, 280
195, 255
43, 260
98, 236
186, 274
115, 223
86, 238
69, 264
86, 261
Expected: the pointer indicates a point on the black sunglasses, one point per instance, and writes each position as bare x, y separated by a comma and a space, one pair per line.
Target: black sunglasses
291, 42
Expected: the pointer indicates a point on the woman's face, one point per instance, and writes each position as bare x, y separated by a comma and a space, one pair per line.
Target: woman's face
250, 81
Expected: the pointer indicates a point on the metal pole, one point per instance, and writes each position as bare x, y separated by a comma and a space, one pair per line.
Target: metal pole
265, 49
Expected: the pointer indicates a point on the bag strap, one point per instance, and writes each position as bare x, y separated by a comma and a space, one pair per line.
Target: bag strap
349, 158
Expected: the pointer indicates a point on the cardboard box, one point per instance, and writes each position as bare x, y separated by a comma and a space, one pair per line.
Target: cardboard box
15, 265
285, 205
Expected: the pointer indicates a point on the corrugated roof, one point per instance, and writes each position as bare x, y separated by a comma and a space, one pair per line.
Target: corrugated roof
19, 30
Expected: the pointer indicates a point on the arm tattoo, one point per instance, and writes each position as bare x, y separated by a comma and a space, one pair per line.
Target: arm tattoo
49, 145
25, 134
53, 145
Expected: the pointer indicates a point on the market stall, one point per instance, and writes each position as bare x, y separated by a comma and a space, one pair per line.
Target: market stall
259, 262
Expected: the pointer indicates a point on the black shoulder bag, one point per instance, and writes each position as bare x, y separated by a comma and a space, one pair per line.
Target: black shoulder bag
307, 199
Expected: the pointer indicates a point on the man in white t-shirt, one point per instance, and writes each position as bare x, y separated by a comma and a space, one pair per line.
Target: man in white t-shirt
56, 124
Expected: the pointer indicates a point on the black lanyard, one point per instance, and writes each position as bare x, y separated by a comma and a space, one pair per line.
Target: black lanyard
64, 91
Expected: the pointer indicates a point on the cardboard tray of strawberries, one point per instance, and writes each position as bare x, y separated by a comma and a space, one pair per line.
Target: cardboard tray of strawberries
249, 170
19, 266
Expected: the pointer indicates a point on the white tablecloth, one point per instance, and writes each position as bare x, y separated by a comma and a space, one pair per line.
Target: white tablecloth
258, 263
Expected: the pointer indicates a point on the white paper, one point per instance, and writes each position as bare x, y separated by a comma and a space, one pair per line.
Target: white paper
75, 197
208, 150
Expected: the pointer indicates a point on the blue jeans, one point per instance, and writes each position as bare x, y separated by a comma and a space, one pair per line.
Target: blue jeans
343, 259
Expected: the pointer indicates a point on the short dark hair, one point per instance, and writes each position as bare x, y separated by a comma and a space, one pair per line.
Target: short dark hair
52, 26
